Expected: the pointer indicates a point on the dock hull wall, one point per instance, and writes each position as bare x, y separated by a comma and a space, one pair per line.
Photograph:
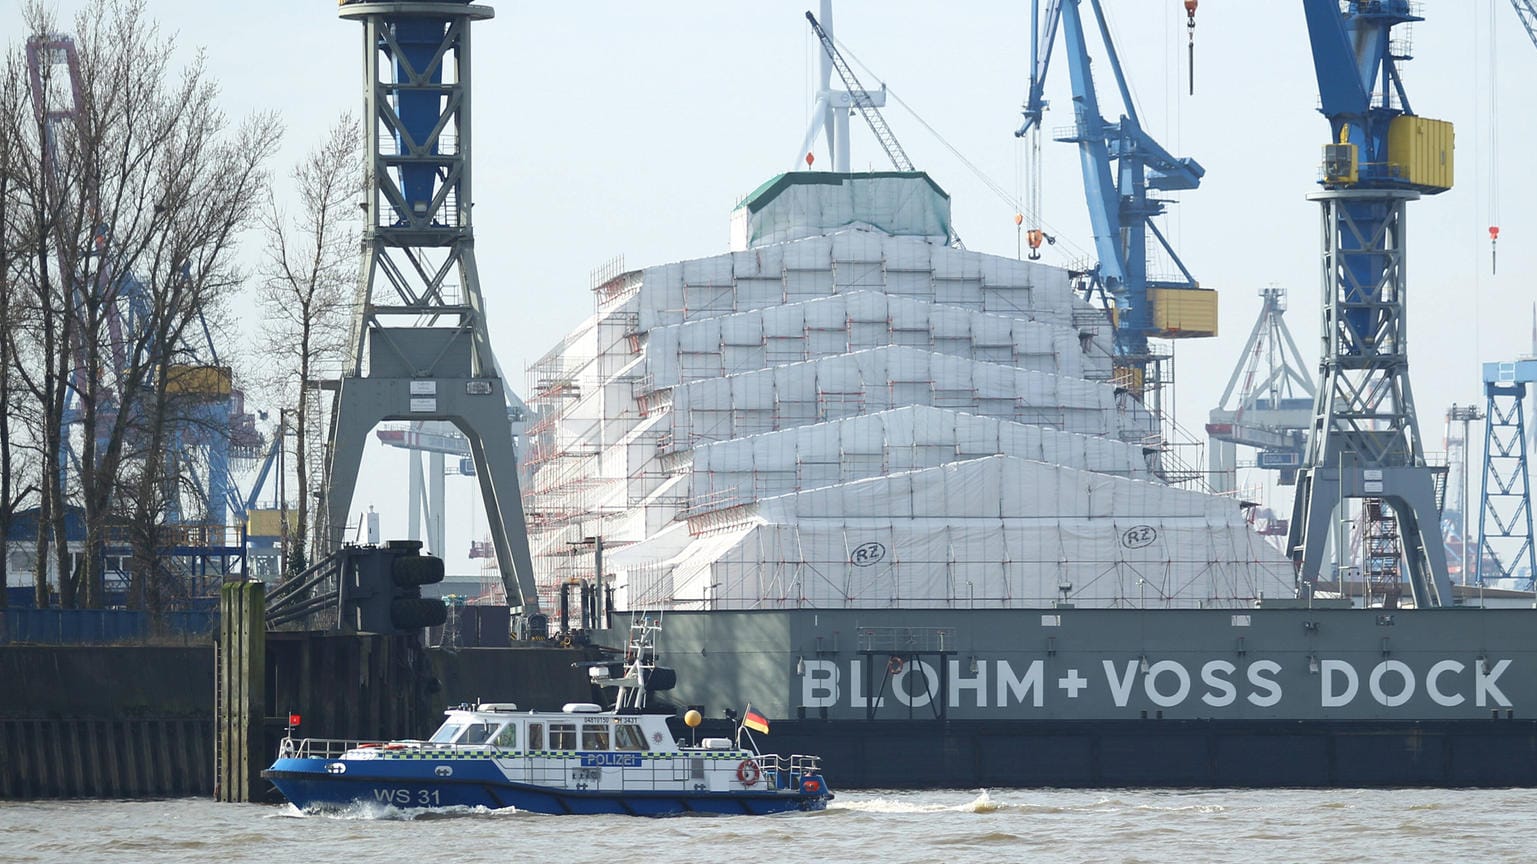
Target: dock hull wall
1166, 753
1292, 697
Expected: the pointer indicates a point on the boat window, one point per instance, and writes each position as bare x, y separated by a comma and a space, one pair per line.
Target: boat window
594, 737
507, 739
445, 733
629, 737
476, 733
562, 736
536, 736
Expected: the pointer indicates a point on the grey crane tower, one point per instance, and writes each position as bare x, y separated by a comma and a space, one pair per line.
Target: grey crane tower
419, 348
1364, 440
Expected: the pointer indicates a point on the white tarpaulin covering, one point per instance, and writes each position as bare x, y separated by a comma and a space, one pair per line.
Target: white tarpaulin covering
863, 416
844, 262
998, 531
887, 442
862, 382
839, 324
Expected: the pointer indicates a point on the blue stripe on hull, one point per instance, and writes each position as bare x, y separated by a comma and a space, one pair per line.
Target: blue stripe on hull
388, 783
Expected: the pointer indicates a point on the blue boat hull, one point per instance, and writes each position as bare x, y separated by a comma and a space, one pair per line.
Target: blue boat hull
311, 785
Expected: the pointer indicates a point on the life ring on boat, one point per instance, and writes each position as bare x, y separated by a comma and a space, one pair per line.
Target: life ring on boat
895, 665
811, 784
367, 744
394, 745
748, 772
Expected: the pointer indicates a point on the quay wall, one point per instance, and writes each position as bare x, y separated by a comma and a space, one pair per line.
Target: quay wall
137, 721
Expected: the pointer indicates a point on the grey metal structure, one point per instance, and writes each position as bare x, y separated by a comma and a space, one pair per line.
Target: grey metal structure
1364, 441
1272, 410
1454, 511
419, 347
1505, 516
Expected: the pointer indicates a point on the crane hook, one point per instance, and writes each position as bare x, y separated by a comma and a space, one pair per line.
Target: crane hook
1035, 236
1494, 239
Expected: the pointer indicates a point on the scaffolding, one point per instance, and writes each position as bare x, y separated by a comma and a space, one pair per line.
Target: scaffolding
734, 428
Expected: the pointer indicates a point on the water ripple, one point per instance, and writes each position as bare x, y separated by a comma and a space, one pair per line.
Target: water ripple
890, 827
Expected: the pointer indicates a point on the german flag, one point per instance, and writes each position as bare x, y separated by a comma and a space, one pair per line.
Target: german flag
755, 721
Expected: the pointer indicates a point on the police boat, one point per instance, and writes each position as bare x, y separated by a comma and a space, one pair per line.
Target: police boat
581, 759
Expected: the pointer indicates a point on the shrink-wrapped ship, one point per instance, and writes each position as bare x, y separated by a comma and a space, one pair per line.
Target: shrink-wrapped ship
890, 492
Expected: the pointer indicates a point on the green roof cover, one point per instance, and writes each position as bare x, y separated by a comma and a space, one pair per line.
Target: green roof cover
758, 198
804, 204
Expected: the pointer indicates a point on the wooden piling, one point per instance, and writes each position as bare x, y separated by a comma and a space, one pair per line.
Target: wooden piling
242, 687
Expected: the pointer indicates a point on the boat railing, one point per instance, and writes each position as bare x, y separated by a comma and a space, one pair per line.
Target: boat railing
685, 769
320, 748
785, 772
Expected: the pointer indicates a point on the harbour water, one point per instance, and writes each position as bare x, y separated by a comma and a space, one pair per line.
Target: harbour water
954, 827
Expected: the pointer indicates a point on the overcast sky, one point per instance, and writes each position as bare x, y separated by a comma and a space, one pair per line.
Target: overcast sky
609, 128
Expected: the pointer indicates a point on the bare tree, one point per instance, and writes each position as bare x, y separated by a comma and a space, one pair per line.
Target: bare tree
137, 194
307, 282
37, 168
14, 488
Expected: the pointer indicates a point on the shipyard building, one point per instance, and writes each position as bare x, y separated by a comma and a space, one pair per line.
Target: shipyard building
847, 410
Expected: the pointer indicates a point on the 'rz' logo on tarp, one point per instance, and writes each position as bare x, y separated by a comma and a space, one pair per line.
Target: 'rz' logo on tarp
1141, 535
867, 554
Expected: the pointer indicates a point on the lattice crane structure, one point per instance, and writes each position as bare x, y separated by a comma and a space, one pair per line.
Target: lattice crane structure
420, 350
830, 114
1505, 515
1527, 12
1273, 404
1364, 440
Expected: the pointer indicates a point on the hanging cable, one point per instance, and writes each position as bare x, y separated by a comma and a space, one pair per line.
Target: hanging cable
1190, 28
1033, 193
1494, 147
1019, 193
1048, 234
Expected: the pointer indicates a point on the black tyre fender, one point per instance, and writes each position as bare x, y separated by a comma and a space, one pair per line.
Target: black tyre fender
415, 613
417, 570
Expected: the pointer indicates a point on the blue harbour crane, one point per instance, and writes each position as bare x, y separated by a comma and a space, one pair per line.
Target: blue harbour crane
1364, 442
1124, 170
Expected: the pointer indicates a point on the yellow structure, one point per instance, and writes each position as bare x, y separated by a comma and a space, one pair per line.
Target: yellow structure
1183, 313
1420, 151
1340, 164
1130, 378
207, 381
269, 523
